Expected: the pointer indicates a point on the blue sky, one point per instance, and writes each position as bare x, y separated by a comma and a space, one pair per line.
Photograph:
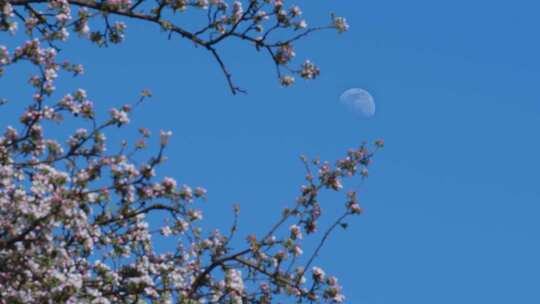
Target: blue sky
452, 202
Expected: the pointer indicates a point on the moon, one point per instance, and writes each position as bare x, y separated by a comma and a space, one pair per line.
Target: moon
360, 101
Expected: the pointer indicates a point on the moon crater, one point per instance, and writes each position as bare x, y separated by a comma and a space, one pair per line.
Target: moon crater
360, 101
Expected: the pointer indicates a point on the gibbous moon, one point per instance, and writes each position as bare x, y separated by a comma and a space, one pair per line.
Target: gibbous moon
360, 101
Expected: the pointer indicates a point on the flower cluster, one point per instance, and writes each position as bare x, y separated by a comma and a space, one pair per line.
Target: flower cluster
74, 222
340, 24
309, 70
274, 26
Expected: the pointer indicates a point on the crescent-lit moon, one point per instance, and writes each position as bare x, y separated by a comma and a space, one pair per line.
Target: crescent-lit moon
360, 101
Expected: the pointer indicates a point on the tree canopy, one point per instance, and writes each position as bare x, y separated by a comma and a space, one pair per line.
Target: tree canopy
73, 214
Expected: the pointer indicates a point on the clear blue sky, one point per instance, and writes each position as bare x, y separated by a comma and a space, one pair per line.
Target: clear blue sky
453, 201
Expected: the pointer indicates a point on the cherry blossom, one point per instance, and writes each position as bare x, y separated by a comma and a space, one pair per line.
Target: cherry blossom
76, 211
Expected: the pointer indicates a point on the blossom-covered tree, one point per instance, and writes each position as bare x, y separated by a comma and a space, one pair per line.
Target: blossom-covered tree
74, 216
